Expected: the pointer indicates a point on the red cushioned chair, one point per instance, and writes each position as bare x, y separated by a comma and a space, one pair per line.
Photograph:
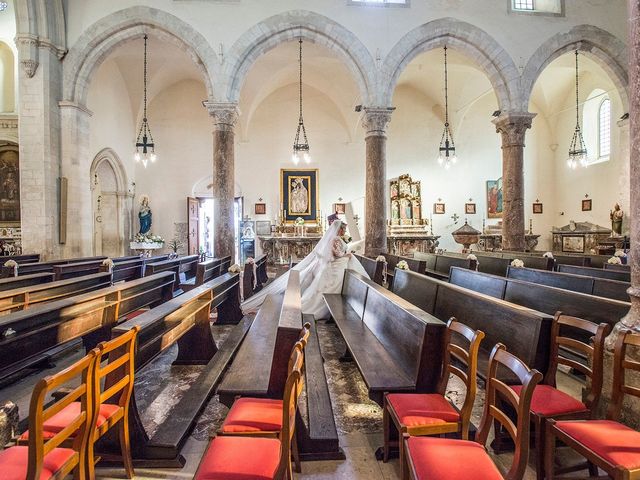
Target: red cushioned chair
418, 414
262, 417
549, 402
448, 459
245, 457
118, 373
44, 458
607, 444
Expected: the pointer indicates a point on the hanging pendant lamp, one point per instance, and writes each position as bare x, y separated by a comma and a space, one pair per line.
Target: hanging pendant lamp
447, 150
145, 148
301, 144
577, 148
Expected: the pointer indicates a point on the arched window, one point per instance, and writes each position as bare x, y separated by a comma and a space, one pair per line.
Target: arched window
604, 129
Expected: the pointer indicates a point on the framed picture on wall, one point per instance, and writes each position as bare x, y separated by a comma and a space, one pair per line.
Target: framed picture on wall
263, 227
586, 205
438, 208
470, 208
339, 208
573, 244
494, 198
299, 194
260, 208
537, 208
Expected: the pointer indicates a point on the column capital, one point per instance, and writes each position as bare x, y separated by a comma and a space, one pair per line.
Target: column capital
513, 127
224, 114
65, 104
376, 119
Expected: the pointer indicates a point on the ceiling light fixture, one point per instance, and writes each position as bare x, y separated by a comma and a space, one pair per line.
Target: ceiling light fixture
577, 148
300, 145
447, 147
145, 148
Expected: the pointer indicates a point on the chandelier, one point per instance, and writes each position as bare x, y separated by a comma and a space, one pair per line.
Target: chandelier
300, 145
145, 148
577, 148
447, 148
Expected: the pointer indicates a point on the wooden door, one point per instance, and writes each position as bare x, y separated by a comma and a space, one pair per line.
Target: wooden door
193, 225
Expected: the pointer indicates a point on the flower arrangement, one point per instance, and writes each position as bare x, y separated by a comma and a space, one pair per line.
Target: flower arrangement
174, 244
614, 261
402, 265
472, 257
8, 332
148, 238
346, 239
620, 254
548, 255
11, 263
107, 262
235, 268
381, 258
517, 263
249, 261
299, 221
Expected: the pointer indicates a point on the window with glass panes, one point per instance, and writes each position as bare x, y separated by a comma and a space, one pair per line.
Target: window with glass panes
523, 5
604, 128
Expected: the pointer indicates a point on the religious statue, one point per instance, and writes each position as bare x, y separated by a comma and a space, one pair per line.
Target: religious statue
395, 210
299, 203
144, 215
616, 216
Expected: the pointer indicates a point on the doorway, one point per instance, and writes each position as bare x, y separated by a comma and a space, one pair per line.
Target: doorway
206, 226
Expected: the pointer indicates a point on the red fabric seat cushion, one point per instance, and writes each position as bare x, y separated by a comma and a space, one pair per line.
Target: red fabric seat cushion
136, 313
549, 401
415, 409
443, 459
65, 416
240, 458
614, 442
254, 415
14, 461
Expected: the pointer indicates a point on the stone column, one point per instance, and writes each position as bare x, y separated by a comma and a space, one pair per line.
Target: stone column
513, 127
224, 117
375, 121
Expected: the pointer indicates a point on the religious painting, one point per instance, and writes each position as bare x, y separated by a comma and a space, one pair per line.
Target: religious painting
417, 213
405, 209
573, 244
415, 189
438, 208
247, 228
586, 205
263, 227
494, 198
537, 208
470, 208
395, 212
9, 184
260, 208
339, 208
299, 194
393, 189
405, 185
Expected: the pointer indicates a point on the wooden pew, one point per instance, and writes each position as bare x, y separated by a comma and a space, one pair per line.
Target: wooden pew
79, 269
183, 320
25, 258
41, 331
207, 271
374, 269
259, 370
438, 266
127, 258
616, 267
254, 276
40, 267
26, 297
396, 346
172, 265
596, 272
505, 258
577, 283
525, 332
25, 281
225, 263
126, 271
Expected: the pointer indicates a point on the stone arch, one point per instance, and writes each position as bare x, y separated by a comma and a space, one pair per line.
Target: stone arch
110, 204
464, 37
607, 50
108, 33
288, 26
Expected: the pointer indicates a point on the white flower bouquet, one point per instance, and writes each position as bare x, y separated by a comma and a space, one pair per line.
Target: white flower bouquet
107, 262
402, 265
614, 261
620, 254
472, 257
249, 261
381, 258
235, 268
548, 255
517, 263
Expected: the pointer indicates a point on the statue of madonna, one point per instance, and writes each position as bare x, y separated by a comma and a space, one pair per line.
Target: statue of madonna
144, 215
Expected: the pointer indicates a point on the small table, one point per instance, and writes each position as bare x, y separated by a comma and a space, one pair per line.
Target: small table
145, 248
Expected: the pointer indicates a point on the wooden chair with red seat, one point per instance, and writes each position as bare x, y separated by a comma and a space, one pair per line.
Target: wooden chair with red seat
46, 457
262, 417
418, 414
118, 387
436, 458
245, 457
607, 444
549, 402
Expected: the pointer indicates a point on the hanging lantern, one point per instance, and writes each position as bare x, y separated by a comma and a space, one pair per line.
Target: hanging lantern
145, 148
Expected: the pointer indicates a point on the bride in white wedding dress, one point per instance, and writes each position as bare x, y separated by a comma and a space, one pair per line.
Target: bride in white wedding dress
322, 271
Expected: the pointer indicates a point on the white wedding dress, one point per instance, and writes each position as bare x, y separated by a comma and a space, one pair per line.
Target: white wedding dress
322, 271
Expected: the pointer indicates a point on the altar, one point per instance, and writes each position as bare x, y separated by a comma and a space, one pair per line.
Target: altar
579, 237
280, 248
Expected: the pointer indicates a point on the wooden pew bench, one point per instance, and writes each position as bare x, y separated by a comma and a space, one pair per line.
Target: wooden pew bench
225, 264
43, 267
25, 281
525, 332
596, 272
25, 297
79, 269
396, 346
126, 271
259, 370
617, 267
374, 269
25, 258
43, 330
183, 320
254, 276
438, 266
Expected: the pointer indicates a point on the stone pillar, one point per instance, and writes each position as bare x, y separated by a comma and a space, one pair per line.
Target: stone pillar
513, 127
40, 86
75, 165
224, 117
375, 121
